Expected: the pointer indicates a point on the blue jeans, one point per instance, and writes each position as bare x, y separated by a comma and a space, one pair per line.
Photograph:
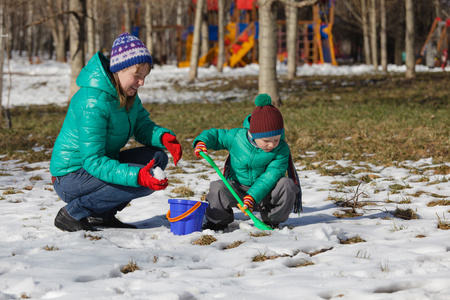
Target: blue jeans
87, 195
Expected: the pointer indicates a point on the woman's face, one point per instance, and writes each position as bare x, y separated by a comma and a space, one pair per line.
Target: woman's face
131, 78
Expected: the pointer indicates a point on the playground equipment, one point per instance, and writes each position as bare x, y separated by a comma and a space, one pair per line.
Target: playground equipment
315, 38
438, 30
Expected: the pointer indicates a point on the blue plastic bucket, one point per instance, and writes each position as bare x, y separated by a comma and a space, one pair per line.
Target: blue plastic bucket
185, 216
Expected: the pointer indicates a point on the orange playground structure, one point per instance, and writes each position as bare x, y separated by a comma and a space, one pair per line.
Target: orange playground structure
314, 40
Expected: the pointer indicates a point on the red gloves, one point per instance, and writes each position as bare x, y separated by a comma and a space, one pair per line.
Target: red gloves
248, 203
171, 144
146, 179
200, 147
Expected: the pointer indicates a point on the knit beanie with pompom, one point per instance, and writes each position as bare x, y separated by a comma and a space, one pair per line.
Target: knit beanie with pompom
127, 50
266, 120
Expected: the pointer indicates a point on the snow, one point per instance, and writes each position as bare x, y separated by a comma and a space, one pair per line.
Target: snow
158, 173
401, 259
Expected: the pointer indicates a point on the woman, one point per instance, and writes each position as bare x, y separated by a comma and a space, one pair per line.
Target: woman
89, 172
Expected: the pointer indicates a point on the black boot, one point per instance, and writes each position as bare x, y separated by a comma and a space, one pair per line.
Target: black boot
212, 226
110, 221
66, 223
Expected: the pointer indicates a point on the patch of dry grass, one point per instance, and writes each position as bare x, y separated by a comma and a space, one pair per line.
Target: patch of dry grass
205, 240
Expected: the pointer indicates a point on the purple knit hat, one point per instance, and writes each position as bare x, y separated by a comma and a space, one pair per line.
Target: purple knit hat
128, 50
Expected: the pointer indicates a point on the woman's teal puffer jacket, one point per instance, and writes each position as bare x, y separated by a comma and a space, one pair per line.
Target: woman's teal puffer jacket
249, 165
95, 129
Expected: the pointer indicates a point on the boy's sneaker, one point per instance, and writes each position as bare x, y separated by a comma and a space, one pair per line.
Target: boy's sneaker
212, 226
66, 223
109, 222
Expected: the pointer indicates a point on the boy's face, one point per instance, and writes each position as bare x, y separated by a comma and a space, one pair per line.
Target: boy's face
269, 143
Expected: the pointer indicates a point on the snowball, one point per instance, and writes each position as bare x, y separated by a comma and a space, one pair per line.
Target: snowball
158, 173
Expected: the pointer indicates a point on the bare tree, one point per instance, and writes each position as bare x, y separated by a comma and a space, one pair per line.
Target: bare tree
90, 28
373, 33
365, 33
291, 36
57, 26
29, 31
77, 41
409, 40
205, 32
383, 38
126, 16
221, 36
267, 79
195, 50
2, 47
148, 26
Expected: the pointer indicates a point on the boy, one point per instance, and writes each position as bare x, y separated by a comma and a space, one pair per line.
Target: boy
258, 160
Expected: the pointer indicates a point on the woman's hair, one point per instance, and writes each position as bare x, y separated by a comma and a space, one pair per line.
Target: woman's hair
124, 100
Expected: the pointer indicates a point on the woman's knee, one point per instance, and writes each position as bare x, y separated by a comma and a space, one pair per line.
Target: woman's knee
161, 159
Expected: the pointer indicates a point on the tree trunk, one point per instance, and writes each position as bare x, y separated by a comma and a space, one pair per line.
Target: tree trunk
409, 40
373, 33
221, 36
365, 27
126, 16
291, 35
99, 28
205, 32
77, 41
383, 38
57, 27
195, 50
148, 26
2, 52
267, 80
29, 31
437, 8
90, 30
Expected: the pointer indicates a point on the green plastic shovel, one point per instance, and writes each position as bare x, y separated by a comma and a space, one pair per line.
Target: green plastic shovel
258, 223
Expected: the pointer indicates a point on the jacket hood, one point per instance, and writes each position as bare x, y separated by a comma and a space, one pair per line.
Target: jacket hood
96, 74
246, 125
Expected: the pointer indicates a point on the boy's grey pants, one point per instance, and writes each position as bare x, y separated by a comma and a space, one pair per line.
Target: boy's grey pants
274, 208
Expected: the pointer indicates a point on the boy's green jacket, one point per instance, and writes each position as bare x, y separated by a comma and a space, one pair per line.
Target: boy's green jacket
249, 165
95, 129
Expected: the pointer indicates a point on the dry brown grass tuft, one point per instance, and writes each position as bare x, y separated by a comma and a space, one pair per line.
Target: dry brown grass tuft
130, 267
405, 214
205, 240
353, 240
184, 191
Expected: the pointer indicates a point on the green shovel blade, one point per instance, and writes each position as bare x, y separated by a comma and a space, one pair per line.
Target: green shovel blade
258, 223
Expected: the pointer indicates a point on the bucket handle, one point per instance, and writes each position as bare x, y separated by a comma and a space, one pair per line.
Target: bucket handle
183, 215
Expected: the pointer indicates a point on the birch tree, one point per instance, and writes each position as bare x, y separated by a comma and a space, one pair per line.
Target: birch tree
373, 33
205, 32
267, 49
267, 80
2, 52
383, 38
365, 32
195, 50
57, 26
149, 26
409, 40
221, 36
77, 41
291, 36
127, 16
90, 28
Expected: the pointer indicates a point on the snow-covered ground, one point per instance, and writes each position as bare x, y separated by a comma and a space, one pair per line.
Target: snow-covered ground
399, 259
